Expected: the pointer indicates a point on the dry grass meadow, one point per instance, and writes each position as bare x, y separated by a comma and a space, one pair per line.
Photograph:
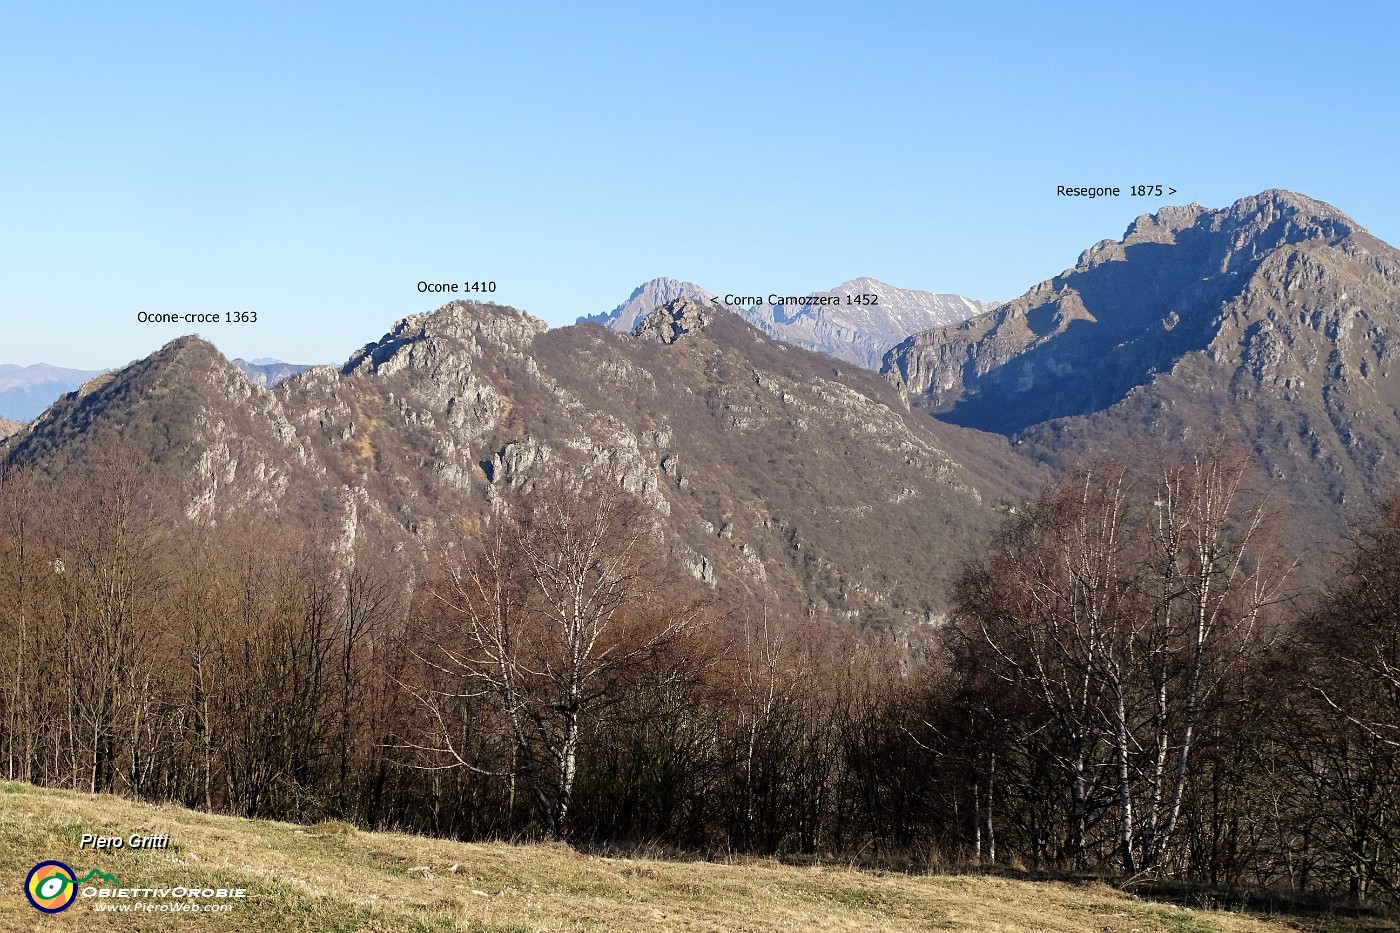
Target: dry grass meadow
331, 877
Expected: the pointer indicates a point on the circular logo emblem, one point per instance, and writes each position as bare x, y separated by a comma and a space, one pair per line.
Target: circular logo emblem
51, 887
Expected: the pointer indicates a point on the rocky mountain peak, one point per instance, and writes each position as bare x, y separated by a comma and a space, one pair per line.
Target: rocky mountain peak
1240, 235
644, 298
189, 357
1274, 315
859, 320
1292, 205
673, 320
460, 326
172, 405
1131, 308
1255, 227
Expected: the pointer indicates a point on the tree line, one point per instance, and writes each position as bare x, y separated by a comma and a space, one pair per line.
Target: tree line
1135, 681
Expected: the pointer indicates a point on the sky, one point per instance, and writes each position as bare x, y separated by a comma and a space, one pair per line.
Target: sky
312, 163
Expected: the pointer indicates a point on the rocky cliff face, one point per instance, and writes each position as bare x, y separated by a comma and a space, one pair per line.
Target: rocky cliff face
674, 320
643, 299
857, 331
776, 476
186, 412
782, 474
1129, 309
8, 427
1272, 321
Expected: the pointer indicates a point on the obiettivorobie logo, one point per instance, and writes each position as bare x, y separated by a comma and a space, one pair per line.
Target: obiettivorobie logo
52, 886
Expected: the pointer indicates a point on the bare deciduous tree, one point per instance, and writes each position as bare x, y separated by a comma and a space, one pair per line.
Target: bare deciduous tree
562, 597
1351, 650
1116, 605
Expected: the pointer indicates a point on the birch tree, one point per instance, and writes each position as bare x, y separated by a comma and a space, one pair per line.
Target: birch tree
1039, 613
1116, 606
1209, 579
562, 598
1350, 763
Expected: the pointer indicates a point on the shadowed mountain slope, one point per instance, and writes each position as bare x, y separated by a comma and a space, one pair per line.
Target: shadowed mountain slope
1272, 321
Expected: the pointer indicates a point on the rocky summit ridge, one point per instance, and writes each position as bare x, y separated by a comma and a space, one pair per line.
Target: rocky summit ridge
644, 298
786, 475
854, 329
857, 321
776, 475
1273, 321
674, 320
1081, 341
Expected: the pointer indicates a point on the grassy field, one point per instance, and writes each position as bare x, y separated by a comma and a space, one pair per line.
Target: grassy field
330, 877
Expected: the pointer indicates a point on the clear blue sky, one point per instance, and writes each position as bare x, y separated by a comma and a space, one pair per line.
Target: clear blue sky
313, 162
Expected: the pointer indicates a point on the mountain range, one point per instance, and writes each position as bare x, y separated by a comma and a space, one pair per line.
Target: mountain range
25, 391
749, 448
857, 321
856, 330
267, 372
1272, 321
643, 300
784, 474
